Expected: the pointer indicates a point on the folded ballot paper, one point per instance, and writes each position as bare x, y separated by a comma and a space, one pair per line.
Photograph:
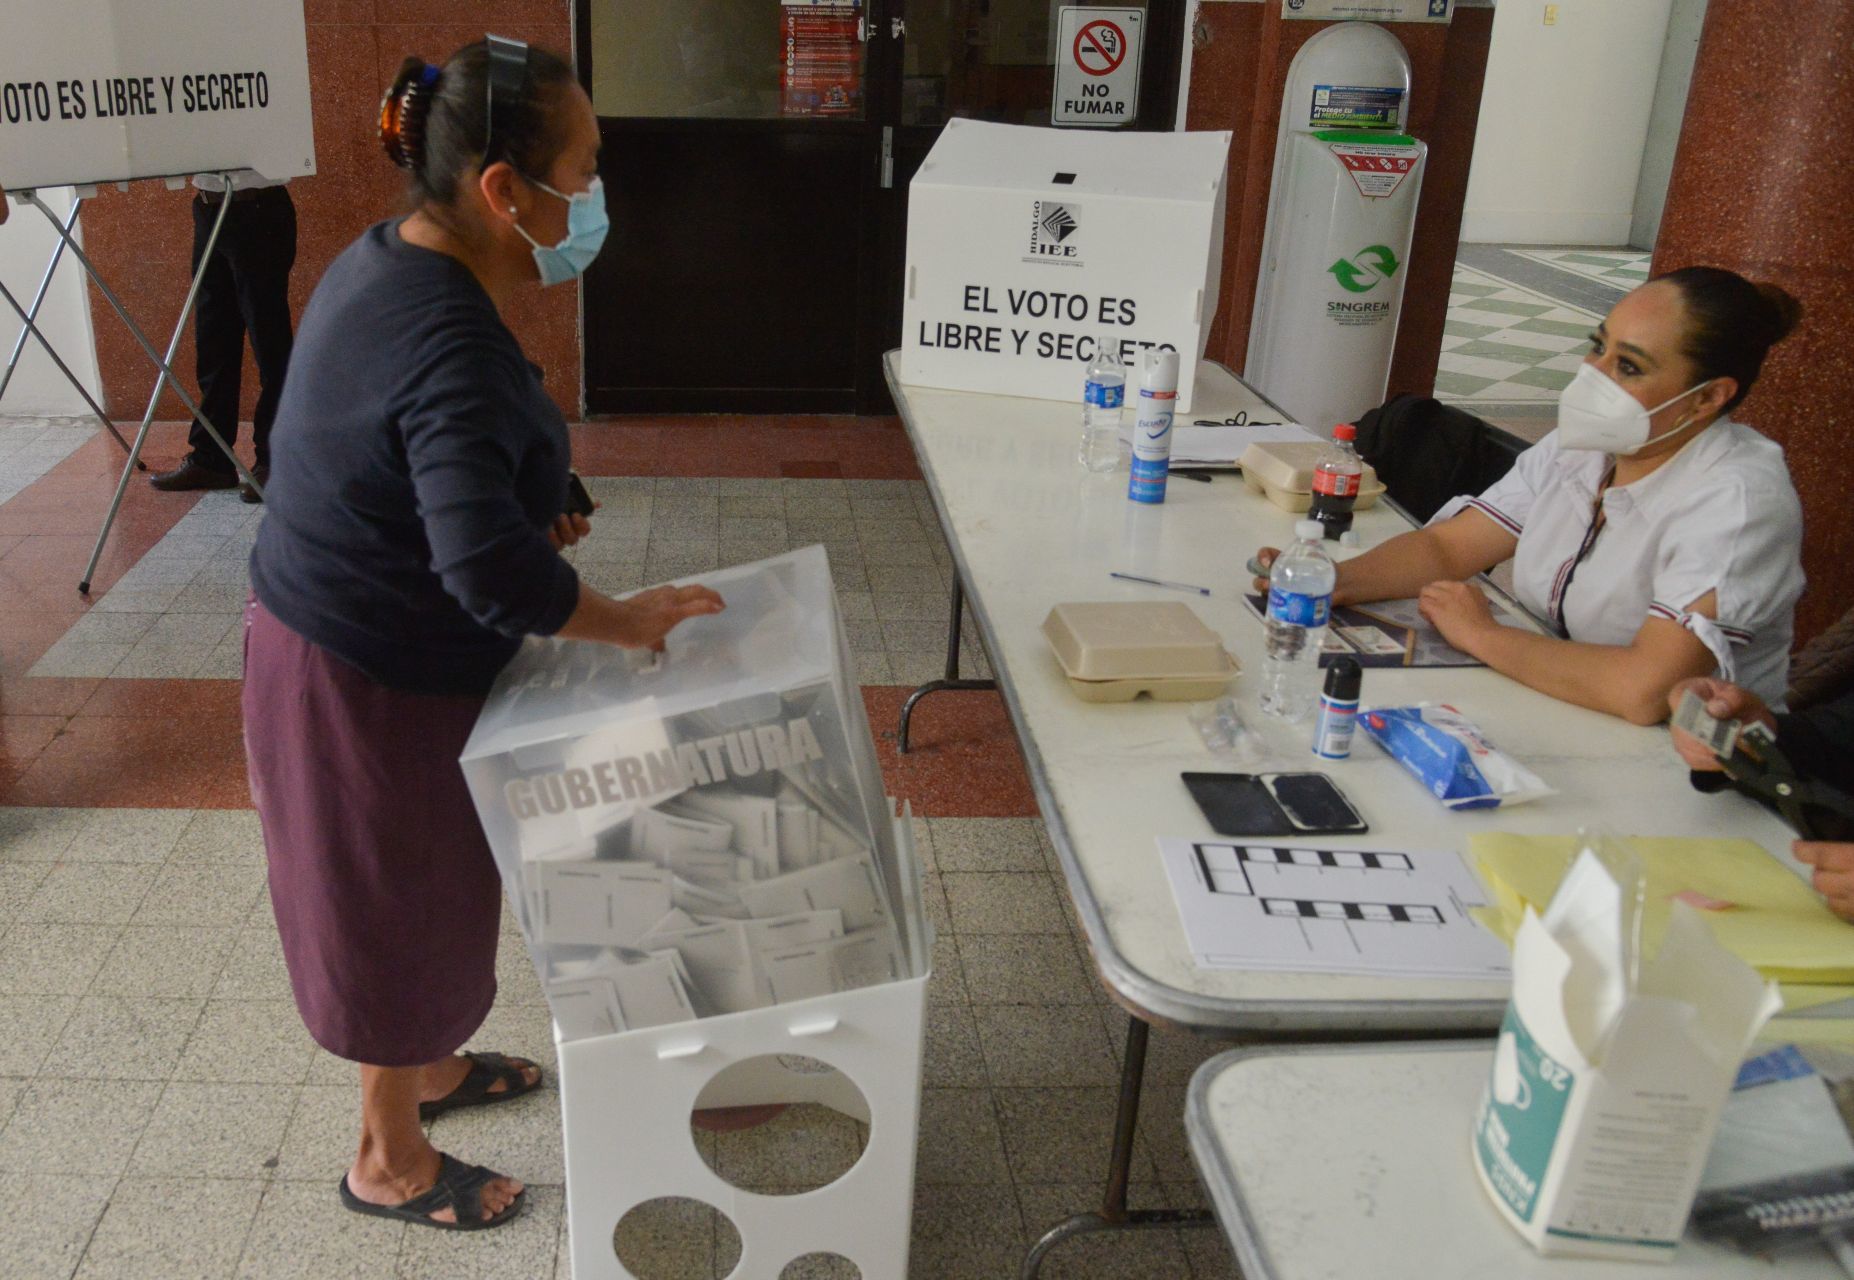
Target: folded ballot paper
1612, 1067
703, 832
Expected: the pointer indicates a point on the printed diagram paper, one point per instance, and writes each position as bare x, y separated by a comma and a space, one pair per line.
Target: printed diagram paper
1296, 908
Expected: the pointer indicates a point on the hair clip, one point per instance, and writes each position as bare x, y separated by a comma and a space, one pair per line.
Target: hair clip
403, 111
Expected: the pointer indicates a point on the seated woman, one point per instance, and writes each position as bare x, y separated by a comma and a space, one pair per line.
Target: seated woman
1658, 538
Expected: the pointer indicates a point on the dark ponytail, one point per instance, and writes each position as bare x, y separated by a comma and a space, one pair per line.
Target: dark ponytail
1731, 323
434, 123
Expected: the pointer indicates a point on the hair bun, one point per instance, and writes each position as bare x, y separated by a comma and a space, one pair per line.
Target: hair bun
403, 111
1785, 311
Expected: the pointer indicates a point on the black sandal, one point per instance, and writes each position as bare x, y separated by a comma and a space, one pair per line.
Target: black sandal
474, 1090
459, 1188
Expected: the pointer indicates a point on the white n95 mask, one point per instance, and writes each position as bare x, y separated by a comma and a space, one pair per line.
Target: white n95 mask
1594, 412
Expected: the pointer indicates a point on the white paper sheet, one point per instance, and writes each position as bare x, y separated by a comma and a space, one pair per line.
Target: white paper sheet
848, 884
1299, 908
608, 904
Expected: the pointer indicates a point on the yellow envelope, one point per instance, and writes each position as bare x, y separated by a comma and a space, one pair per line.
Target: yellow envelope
1766, 914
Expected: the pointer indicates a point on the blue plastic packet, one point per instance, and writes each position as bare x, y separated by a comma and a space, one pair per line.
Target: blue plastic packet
1451, 757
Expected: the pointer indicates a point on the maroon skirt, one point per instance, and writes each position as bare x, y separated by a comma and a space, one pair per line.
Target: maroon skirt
385, 891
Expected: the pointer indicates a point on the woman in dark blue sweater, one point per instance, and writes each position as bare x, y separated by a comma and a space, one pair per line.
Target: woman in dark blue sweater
412, 537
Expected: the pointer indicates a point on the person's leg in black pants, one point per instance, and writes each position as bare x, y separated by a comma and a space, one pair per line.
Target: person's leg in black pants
218, 337
262, 255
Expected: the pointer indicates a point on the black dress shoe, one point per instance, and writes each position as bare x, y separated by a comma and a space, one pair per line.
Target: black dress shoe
189, 476
246, 493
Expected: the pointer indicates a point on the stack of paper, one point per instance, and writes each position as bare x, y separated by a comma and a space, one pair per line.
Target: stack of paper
1756, 907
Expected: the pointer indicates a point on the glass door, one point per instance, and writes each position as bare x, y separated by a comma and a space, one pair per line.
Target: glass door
756, 163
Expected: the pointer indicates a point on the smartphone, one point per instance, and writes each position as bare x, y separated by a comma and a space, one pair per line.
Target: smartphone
579, 502
1274, 804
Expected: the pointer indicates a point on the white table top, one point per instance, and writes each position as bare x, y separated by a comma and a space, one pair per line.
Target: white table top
1337, 1163
1029, 528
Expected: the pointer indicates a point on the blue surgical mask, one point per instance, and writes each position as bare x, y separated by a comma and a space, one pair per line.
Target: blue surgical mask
587, 224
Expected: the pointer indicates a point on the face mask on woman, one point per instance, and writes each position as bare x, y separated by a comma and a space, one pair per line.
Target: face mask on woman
587, 224
1596, 413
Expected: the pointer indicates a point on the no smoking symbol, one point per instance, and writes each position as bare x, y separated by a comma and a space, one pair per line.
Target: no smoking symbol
1100, 48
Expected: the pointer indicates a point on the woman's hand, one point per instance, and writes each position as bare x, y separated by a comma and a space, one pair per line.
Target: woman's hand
1723, 701
1460, 612
1265, 560
648, 617
1834, 873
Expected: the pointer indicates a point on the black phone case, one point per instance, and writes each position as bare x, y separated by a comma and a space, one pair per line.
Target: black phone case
1274, 804
579, 502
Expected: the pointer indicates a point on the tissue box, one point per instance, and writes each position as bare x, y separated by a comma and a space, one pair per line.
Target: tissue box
1603, 1100
702, 832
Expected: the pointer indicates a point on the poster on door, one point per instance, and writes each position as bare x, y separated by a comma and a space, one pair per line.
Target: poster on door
821, 59
1097, 67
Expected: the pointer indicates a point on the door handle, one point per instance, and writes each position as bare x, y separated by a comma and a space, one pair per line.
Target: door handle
862, 30
897, 28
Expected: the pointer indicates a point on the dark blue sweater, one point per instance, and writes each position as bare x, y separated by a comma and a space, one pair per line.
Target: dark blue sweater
416, 464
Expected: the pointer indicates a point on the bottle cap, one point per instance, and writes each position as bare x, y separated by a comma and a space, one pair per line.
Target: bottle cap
1161, 369
1345, 431
1309, 530
1343, 679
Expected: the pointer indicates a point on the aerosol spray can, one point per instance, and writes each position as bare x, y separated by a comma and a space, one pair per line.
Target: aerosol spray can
1152, 430
1338, 716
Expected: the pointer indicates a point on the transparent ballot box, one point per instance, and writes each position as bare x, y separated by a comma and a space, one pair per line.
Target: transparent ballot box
704, 831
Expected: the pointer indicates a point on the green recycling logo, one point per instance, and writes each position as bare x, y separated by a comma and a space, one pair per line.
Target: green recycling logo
1361, 272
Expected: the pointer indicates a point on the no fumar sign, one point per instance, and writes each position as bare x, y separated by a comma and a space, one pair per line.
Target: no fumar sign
1097, 66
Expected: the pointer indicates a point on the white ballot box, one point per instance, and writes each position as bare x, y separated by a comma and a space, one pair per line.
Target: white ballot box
1028, 245
708, 873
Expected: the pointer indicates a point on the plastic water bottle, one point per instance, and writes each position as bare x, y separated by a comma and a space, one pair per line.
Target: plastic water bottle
1152, 428
1300, 598
1336, 479
1102, 397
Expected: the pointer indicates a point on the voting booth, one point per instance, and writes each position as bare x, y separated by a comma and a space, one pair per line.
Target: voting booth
1025, 245
708, 874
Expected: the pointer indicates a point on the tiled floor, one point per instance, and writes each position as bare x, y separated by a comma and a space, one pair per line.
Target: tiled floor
162, 1111
1503, 343
1624, 268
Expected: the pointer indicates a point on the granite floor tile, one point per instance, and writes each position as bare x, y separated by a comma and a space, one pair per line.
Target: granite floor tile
676, 1238
1026, 969
83, 1127
953, 1058
221, 835
88, 893
214, 1130
520, 1138
147, 1235
248, 1042
1055, 1135
323, 1133
1002, 902
209, 894
52, 1223
38, 835
254, 968
1040, 1045
959, 1140
301, 1232
128, 835
29, 1027
123, 1038
988, 844
947, 984
966, 1233
19, 882
53, 959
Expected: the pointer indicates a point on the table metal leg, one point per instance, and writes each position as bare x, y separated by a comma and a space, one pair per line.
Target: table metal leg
951, 683
1113, 1215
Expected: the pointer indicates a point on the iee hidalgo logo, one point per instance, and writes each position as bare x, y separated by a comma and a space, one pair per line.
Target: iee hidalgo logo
1051, 226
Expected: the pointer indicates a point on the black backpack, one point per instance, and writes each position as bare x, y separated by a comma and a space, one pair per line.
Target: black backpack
1427, 452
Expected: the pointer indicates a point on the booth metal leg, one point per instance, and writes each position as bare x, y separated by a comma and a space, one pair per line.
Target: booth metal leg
1113, 1215
950, 683
165, 365
28, 316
